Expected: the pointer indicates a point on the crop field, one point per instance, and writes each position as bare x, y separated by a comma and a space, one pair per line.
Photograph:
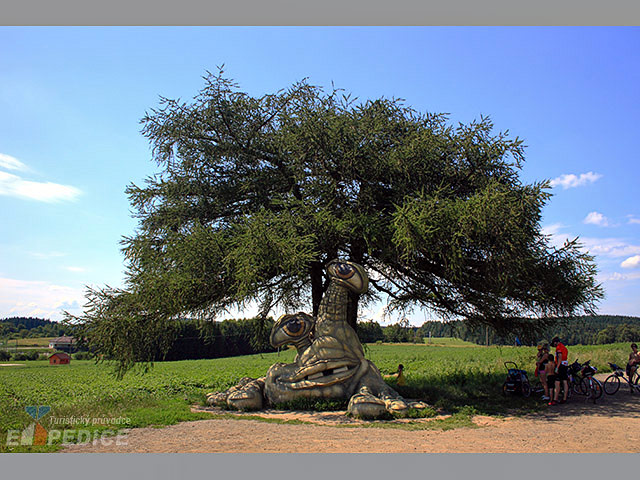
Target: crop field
27, 342
448, 377
448, 341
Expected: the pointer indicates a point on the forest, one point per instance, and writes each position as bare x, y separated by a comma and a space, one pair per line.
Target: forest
31, 327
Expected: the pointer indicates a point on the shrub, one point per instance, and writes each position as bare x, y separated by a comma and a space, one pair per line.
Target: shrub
33, 355
82, 356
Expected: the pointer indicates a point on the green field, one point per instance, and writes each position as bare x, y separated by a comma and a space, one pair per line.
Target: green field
27, 342
448, 342
450, 378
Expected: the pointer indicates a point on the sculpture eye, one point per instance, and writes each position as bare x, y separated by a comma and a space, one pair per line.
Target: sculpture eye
294, 327
344, 270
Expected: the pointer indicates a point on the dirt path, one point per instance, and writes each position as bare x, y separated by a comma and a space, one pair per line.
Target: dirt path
612, 425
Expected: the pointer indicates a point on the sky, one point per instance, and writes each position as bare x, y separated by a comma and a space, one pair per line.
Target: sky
71, 99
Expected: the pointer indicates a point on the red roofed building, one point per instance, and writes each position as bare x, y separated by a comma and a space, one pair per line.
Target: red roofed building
59, 358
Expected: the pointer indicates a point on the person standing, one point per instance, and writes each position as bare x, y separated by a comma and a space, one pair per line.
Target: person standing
541, 365
562, 370
634, 361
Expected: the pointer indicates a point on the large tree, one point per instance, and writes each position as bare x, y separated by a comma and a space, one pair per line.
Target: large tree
256, 194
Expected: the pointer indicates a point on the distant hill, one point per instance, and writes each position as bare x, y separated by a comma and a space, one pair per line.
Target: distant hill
27, 322
21, 327
585, 330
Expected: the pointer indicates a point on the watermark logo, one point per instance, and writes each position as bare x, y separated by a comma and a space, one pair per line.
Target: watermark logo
37, 434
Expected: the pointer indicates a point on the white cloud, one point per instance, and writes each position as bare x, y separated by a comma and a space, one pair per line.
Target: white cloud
596, 218
631, 262
604, 248
558, 238
619, 277
553, 229
15, 186
379, 315
11, 163
633, 219
571, 181
37, 298
610, 247
46, 255
76, 269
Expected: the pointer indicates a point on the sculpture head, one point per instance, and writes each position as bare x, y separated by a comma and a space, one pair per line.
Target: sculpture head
292, 329
349, 274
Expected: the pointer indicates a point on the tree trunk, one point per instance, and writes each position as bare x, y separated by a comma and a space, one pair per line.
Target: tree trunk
356, 256
317, 286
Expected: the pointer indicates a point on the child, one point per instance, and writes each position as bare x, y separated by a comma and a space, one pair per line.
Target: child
550, 369
399, 376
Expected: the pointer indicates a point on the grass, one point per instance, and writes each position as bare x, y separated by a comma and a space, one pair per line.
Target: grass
452, 379
27, 342
447, 342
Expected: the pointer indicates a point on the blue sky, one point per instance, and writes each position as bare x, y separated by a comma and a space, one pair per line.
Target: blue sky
71, 100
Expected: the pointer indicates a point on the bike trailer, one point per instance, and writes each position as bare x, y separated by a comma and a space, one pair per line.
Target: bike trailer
517, 380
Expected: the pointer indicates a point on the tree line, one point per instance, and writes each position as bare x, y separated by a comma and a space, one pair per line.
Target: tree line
192, 339
31, 327
581, 330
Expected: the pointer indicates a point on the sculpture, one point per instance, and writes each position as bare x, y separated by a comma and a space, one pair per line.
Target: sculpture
330, 362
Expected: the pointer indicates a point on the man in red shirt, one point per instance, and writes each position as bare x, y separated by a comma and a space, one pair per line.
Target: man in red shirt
562, 370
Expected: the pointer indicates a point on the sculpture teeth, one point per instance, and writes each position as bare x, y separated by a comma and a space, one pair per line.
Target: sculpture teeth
314, 376
341, 369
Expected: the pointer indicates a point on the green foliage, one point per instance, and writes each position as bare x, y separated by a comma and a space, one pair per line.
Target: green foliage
256, 194
82, 356
396, 333
370, 332
195, 339
581, 330
618, 333
32, 327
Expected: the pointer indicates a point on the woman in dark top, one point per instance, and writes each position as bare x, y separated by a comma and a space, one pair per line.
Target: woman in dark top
541, 363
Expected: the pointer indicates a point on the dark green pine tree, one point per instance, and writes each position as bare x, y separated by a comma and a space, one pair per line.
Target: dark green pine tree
256, 194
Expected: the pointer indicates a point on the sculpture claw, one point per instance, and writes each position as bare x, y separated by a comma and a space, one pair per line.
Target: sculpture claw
366, 405
247, 395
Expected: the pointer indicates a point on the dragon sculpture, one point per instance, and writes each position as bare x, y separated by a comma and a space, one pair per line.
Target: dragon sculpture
330, 362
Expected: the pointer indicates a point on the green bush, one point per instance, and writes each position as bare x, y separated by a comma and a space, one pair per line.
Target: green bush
82, 356
32, 355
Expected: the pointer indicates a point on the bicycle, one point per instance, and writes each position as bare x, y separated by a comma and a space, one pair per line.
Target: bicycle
590, 385
575, 379
612, 383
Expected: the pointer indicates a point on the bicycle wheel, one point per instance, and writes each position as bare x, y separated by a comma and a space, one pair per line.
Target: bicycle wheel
576, 385
582, 387
596, 386
526, 389
588, 385
611, 384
